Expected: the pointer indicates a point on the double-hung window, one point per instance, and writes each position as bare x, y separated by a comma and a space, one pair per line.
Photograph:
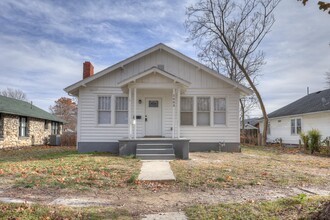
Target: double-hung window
121, 110
104, 110
295, 126
55, 128
187, 109
1, 125
23, 127
203, 111
219, 111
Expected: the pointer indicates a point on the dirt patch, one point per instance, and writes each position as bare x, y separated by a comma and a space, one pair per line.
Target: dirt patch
143, 201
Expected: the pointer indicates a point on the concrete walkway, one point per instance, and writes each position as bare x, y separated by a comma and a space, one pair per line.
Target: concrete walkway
156, 170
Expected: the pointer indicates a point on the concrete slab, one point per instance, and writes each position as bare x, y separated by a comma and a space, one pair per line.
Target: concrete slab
80, 202
11, 200
166, 216
156, 171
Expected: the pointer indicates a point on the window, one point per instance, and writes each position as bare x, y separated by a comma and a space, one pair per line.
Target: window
295, 126
121, 110
203, 111
187, 109
1, 125
23, 127
55, 128
104, 110
153, 104
219, 111
46, 125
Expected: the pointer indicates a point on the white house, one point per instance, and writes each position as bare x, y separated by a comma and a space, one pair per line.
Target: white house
310, 112
157, 96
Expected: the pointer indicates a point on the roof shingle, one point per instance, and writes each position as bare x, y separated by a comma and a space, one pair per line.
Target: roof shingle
22, 108
314, 102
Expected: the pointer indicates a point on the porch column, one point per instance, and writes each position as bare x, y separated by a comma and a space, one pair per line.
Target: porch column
129, 113
173, 111
134, 122
178, 115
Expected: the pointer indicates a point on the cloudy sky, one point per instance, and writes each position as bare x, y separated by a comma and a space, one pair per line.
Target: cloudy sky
44, 43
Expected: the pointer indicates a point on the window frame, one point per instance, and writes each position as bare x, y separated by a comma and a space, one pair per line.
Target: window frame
213, 111
295, 126
112, 102
115, 110
209, 111
26, 127
55, 128
192, 111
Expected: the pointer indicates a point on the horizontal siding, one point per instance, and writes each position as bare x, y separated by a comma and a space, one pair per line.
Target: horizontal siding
229, 132
180, 68
281, 127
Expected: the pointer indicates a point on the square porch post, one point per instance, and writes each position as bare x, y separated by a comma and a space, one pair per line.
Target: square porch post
173, 111
129, 113
178, 112
135, 113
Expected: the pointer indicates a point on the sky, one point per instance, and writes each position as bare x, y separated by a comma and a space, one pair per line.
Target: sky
44, 43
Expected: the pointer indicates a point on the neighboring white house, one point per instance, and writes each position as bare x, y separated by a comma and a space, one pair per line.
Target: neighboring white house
159, 95
310, 112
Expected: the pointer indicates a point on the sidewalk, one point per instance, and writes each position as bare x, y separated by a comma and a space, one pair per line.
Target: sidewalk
156, 170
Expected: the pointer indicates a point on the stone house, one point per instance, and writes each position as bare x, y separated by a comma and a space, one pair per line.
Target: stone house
23, 124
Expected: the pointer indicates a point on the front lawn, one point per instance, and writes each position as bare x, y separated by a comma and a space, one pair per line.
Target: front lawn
63, 167
268, 166
35, 211
299, 207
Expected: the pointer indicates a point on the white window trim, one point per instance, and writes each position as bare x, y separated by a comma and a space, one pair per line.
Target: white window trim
97, 110
226, 112
193, 111
114, 107
295, 121
204, 96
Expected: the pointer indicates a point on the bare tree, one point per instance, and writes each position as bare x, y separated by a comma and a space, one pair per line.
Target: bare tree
66, 109
235, 29
14, 93
222, 62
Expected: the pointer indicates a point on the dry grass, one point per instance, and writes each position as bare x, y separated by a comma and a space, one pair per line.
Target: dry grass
299, 207
63, 167
254, 166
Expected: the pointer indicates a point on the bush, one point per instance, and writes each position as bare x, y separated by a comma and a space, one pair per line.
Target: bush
68, 139
305, 139
315, 139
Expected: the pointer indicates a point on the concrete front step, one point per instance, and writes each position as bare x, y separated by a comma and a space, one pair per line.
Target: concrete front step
154, 146
155, 156
155, 151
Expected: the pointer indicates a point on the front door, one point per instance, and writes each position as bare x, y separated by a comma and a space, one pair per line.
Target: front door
153, 117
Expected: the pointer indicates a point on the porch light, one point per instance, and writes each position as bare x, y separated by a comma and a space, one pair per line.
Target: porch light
140, 101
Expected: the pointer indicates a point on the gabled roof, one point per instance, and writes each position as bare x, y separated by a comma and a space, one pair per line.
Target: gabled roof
22, 108
73, 88
314, 102
154, 70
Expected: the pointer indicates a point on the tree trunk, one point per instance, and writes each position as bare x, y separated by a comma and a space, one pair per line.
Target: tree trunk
254, 88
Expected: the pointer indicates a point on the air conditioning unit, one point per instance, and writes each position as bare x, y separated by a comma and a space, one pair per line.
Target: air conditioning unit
55, 140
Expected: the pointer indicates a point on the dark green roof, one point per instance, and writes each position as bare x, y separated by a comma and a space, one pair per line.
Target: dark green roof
22, 108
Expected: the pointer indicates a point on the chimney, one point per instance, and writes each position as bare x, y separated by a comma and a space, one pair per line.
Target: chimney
88, 69
307, 90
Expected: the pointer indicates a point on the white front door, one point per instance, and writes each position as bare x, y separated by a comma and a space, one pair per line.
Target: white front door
153, 117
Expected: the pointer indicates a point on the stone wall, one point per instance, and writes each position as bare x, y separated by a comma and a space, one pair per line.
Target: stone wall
38, 135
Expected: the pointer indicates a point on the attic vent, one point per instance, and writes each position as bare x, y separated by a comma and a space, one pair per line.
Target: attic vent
161, 66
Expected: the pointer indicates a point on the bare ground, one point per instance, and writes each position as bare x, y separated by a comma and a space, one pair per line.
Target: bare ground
283, 179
